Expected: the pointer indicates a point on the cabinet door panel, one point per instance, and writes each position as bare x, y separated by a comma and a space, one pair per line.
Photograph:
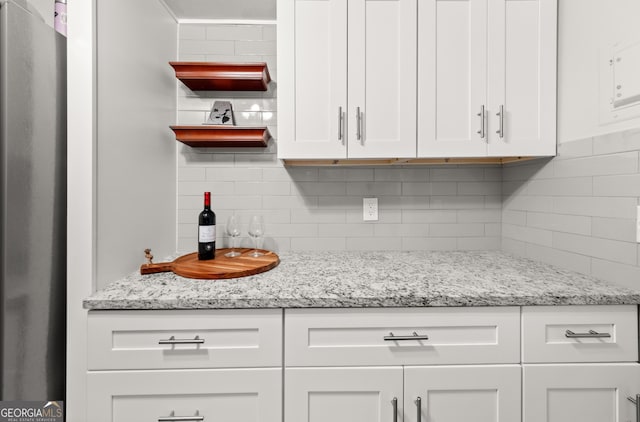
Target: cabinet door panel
522, 76
239, 395
452, 63
382, 78
586, 393
461, 394
312, 86
343, 395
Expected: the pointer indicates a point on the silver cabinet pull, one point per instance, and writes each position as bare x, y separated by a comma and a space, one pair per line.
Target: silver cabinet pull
340, 125
415, 336
394, 404
174, 418
359, 126
174, 340
636, 401
590, 334
419, 407
481, 132
500, 114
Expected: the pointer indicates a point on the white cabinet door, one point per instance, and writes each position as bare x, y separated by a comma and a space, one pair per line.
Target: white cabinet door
382, 78
522, 77
462, 393
240, 395
312, 78
363, 394
585, 393
452, 78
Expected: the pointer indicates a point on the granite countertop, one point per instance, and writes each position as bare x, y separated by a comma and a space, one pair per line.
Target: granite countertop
371, 279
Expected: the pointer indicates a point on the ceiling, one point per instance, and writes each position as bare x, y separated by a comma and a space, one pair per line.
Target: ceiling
223, 9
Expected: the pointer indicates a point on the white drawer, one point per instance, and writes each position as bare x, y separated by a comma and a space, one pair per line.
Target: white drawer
580, 334
248, 395
340, 337
184, 339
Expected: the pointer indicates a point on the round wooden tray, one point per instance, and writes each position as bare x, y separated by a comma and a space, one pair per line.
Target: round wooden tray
219, 268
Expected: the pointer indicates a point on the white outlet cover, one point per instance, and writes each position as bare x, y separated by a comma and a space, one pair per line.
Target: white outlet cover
370, 209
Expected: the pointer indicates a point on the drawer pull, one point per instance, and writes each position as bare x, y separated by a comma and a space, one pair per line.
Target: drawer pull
419, 407
394, 403
174, 340
415, 336
590, 334
174, 418
636, 401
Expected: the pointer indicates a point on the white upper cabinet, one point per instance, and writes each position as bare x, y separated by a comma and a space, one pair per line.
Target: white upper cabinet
487, 78
312, 87
382, 78
452, 81
416, 79
522, 77
347, 73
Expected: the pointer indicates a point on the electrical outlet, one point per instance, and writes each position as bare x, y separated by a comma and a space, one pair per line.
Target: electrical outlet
638, 225
370, 209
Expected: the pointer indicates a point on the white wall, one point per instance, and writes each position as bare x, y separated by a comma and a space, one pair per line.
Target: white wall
136, 177
586, 27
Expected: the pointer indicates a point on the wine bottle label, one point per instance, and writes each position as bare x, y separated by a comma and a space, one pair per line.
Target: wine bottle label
206, 234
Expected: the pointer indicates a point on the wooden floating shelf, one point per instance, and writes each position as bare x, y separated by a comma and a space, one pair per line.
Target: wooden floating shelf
213, 76
215, 136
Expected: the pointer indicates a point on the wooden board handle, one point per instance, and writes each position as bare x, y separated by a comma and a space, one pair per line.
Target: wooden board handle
160, 267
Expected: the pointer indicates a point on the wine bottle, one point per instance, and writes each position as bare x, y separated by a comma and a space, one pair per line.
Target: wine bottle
207, 230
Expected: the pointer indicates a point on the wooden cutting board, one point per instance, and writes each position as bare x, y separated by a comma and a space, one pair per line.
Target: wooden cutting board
222, 267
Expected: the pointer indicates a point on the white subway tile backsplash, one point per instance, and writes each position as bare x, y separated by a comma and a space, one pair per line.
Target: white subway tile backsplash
456, 230
569, 260
570, 186
263, 188
255, 48
457, 202
207, 47
528, 234
373, 189
620, 185
374, 243
478, 243
575, 224
614, 228
318, 243
192, 32
347, 230
479, 216
234, 32
429, 243
402, 230
617, 142
621, 163
428, 216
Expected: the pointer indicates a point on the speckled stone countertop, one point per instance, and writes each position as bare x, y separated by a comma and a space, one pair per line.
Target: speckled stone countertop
370, 279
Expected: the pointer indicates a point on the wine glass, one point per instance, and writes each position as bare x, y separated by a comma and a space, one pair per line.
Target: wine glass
256, 231
233, 230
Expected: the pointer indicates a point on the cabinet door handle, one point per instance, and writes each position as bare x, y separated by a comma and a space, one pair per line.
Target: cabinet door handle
394, 405
340, 125
419, 407
590, 334
481, 132
359, 126
174, 340
415, 336
636, 401
500, 114
174, 418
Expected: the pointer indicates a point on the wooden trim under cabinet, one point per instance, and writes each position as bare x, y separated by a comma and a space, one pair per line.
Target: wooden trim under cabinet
215, 136
213, 76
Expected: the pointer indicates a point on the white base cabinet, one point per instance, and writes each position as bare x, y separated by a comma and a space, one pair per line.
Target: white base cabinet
484, 364
585, 393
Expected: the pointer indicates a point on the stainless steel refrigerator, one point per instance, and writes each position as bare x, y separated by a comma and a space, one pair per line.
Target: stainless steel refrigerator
32, 205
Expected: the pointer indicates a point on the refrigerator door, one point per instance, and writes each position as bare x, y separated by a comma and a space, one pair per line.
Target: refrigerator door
32, 206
